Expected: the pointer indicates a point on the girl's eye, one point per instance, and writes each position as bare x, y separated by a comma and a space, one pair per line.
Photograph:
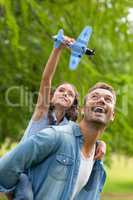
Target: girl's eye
61, 90
71, 94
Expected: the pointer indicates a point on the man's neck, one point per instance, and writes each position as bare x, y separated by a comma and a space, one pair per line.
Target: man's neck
91, 132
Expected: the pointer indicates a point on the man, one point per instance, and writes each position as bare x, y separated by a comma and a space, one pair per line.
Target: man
68, 151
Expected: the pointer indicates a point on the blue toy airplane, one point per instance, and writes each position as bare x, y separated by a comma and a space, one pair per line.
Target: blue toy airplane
78, 48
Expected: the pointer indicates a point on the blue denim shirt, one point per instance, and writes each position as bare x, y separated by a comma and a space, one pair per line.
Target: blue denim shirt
36, 126
60, 147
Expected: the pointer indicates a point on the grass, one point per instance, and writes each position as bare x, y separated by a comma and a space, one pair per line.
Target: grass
120, 176
2, 197
116, 197
119, 179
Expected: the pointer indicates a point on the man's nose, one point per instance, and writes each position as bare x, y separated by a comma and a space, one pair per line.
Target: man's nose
101, 100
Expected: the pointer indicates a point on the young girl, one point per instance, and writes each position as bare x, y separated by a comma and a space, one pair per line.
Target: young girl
55, 110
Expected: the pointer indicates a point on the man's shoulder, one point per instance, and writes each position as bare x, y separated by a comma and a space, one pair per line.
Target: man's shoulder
67, 128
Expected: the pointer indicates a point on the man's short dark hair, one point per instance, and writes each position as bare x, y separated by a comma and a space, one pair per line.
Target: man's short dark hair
101, 85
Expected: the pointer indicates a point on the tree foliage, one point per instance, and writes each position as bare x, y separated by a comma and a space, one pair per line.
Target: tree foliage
26, 27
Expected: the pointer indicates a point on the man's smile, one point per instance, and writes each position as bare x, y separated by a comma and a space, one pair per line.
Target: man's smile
99, 109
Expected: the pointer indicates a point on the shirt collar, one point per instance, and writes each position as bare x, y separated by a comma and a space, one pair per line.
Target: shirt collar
76, 129
63, 122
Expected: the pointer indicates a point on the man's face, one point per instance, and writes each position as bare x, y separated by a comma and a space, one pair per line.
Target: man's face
99, 106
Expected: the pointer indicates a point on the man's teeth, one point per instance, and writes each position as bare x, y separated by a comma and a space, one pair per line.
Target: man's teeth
99, 109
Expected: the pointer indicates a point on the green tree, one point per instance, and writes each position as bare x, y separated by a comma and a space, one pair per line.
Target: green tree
26, 27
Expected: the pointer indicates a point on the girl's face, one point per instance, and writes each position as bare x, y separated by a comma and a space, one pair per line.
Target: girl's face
64, 96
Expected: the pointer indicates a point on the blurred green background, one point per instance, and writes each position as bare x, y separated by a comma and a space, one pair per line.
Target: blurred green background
26, 29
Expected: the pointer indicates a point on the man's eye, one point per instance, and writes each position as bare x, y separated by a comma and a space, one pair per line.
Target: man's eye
108, 100
94, 97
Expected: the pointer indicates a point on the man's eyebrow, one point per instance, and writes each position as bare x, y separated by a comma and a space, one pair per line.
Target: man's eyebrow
107, 95
94, 93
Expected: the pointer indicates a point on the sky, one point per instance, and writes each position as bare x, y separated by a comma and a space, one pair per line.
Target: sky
130, 15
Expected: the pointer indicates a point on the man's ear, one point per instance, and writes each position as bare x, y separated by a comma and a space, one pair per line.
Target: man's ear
113, 116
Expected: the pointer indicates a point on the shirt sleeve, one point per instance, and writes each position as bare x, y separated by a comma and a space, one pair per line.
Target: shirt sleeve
35, 126
27, 154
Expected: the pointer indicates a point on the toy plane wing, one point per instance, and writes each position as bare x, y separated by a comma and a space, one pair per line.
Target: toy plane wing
58, 38
74, 60
85, 36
